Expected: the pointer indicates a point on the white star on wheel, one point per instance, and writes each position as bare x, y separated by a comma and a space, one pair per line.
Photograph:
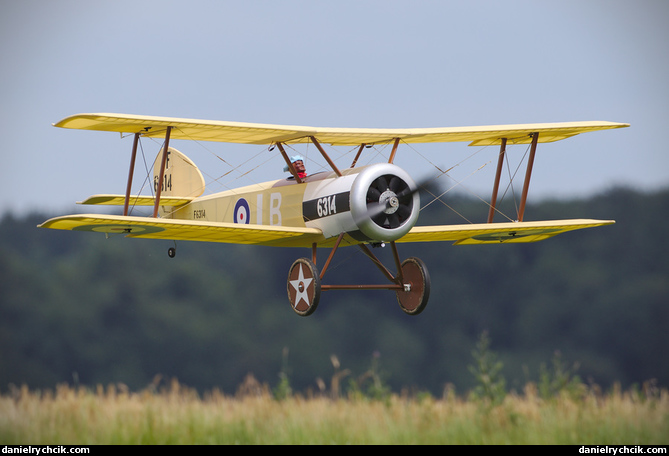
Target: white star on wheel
296, 284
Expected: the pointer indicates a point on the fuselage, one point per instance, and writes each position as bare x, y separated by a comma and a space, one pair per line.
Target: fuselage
332, 203
281, 202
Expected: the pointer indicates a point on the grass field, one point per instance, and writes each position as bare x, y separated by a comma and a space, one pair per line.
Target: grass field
178, 415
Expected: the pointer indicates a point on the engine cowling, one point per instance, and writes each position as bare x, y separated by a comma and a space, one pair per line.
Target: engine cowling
376, 203
384, 202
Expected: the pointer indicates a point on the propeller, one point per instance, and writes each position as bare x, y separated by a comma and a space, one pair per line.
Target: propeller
389, 201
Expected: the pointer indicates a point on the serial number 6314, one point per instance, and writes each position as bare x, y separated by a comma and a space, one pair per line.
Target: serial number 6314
326, 206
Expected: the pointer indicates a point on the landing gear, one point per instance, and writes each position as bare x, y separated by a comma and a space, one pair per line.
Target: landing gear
411, 284
172, 251
304, 287
416, 293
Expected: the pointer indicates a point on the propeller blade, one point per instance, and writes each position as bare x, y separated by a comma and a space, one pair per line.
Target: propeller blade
373, 194
394, 220
381, 184
395, 184
375, 208
403, 211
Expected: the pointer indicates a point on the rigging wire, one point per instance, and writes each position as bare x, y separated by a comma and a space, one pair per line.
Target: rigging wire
232, 169
147, 179
380, 150
460, 183
510, 186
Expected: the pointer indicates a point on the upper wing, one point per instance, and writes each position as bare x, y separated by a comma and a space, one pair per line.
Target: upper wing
253, 133
186, 230
487, 233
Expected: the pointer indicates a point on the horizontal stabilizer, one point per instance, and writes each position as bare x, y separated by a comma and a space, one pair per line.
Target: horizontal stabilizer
496, 233
135, 200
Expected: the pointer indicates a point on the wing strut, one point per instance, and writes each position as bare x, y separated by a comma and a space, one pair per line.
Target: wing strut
498, 174
392, 154
528, 175
162, 172
130, 174
291, 168
357, 156
325, 156
526, 184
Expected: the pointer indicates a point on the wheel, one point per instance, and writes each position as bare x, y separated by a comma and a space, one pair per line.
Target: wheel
304, 287
414, 299
171, 252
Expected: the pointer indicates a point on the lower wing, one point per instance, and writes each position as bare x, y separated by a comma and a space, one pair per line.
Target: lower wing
495, 233
234, 233
187, 230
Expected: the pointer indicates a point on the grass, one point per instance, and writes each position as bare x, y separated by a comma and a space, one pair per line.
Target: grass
559, 409
178, 415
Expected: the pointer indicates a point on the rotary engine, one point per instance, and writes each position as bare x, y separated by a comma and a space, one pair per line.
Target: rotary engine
384, 202
376, 203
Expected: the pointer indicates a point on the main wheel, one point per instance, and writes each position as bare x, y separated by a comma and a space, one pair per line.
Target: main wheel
304, 287
413, 299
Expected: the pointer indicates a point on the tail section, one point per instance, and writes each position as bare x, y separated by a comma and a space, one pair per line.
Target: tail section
181, 179
182, 183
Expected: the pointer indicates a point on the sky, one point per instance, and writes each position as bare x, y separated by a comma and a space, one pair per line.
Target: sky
362, 63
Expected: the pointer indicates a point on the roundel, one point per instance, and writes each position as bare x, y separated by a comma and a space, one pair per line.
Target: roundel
242, 211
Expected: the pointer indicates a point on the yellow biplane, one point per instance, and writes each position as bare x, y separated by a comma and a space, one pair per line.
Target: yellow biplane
366, 206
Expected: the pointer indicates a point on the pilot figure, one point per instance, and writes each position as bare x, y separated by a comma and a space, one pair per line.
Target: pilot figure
298, 163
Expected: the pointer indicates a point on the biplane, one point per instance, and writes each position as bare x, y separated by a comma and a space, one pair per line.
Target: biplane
365, 206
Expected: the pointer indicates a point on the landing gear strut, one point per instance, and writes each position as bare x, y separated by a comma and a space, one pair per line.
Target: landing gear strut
411, 284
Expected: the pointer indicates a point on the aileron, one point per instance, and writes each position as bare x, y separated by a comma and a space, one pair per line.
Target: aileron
495, 233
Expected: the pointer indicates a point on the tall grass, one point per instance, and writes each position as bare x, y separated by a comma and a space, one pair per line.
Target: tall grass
560, 409
178, 415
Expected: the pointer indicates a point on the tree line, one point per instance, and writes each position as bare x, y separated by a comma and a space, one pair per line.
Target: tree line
82, 309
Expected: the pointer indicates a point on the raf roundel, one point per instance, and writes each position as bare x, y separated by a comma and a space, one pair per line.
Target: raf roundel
242, 211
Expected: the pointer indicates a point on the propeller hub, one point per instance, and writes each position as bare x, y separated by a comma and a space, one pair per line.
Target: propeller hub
392, 203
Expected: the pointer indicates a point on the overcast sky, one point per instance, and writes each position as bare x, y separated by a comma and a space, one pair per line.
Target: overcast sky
395, 64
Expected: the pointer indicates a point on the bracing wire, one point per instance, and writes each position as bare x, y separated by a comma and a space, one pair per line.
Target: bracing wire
460, 183
369, 158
